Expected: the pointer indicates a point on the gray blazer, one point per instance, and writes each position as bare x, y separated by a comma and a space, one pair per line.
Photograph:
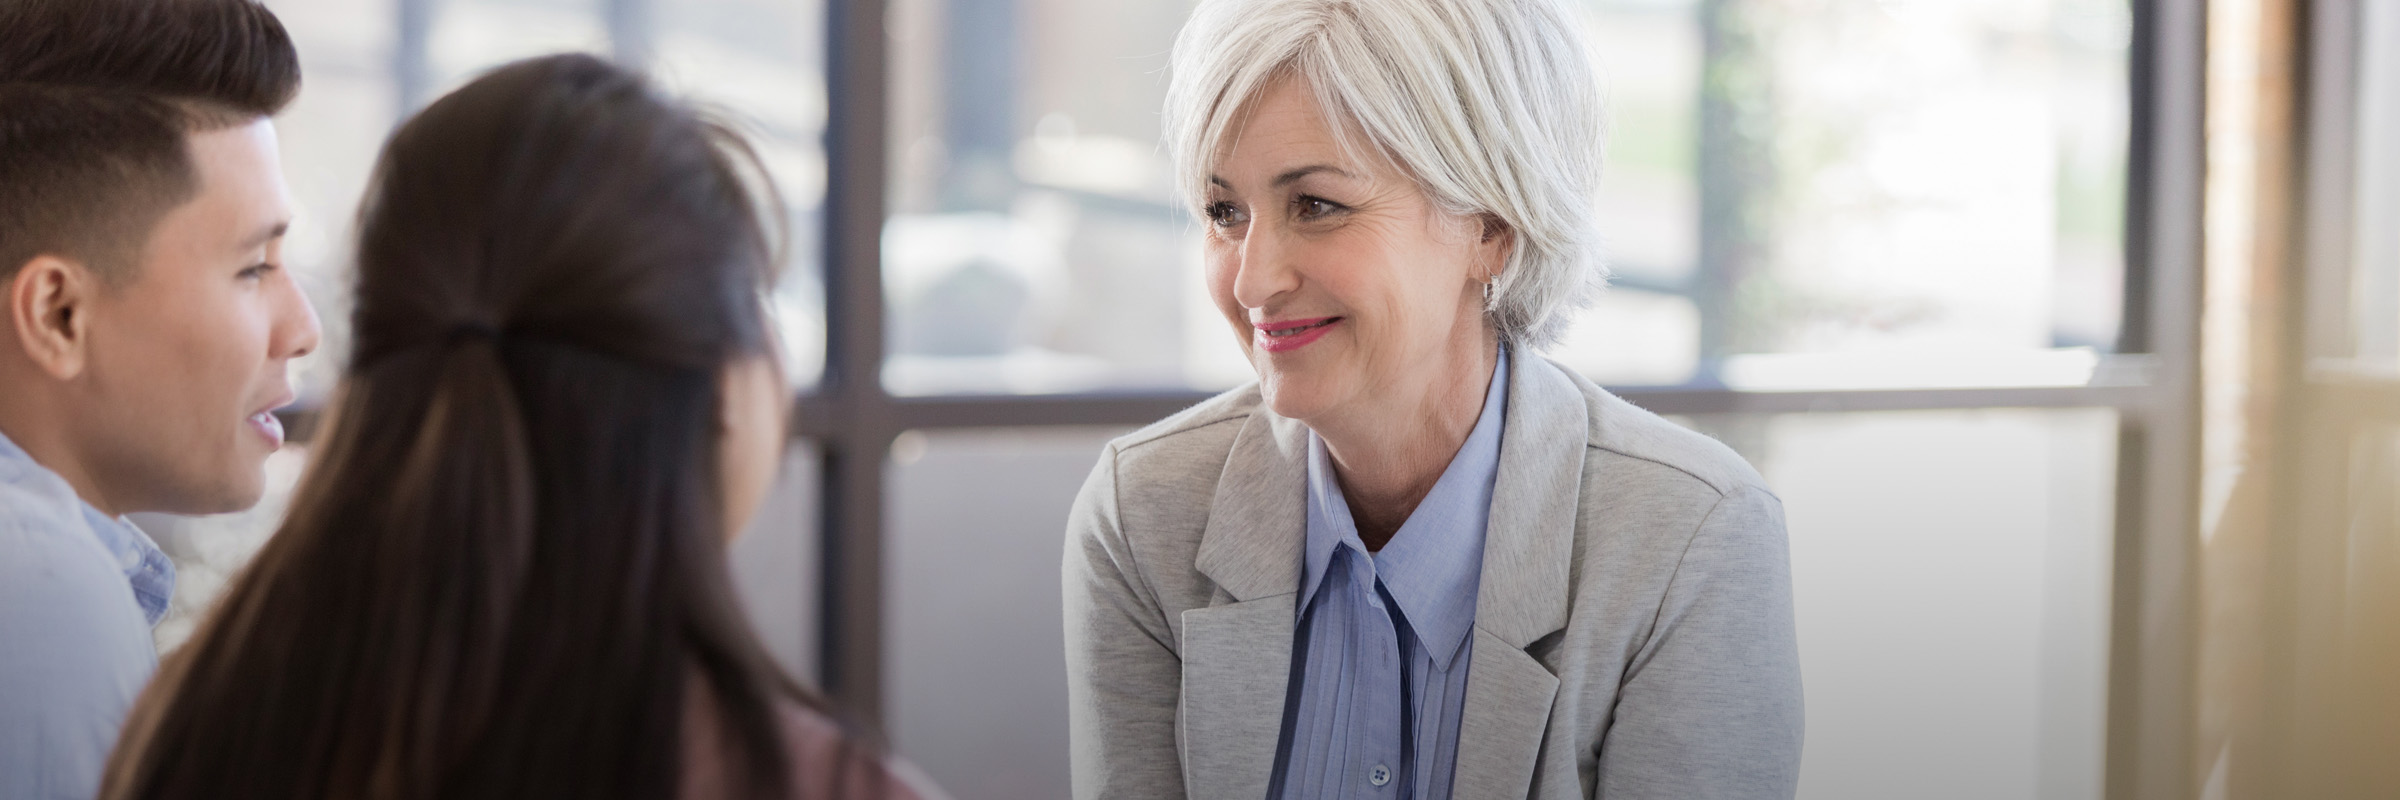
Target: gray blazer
1633, 632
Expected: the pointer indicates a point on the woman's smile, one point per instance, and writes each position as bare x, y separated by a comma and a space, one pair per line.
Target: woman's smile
1284, 336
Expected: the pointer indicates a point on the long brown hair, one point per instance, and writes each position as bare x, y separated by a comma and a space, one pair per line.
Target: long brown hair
506, 560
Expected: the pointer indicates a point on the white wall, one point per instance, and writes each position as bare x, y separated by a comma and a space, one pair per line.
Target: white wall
976, 652
1950, 572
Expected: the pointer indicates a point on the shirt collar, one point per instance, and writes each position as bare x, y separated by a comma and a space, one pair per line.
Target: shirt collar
1434, 562
147, 569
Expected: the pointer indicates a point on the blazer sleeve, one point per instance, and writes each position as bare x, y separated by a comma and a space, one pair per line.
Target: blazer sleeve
1711, 705
1124, 678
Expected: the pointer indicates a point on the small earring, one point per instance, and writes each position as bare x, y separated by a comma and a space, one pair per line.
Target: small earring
1487, 290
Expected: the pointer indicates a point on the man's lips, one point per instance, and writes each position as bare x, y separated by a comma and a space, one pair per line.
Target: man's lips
286, 398
266, 424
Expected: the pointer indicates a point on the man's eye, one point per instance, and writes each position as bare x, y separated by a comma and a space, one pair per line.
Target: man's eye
256, 271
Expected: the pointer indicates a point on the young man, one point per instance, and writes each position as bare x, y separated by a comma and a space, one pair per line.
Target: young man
143, 344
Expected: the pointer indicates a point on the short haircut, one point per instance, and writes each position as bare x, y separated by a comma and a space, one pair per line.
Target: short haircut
1490, 106
96, 98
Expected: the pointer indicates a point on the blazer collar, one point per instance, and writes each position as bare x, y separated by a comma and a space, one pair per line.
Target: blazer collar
1530, 539
1523, 596
1257, 521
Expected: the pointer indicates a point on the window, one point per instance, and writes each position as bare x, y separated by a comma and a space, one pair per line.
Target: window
1033, 244
1860, 195
2375, 251
760, 63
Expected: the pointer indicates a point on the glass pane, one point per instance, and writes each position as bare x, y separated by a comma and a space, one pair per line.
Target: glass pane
2375, 287
1649, 56
760, 64
470, 36
1032, 244
1813, 195
1856, 195
974, 656
1951, 576
329, 138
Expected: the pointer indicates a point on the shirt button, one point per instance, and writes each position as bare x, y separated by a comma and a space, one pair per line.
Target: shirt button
1380, 775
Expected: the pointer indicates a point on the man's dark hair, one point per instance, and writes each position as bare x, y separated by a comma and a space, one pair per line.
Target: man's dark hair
96, 97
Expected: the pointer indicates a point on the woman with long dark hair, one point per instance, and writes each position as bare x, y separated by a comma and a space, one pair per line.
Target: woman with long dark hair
503, 575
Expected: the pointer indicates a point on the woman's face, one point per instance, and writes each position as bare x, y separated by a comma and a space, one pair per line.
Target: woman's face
1343, 282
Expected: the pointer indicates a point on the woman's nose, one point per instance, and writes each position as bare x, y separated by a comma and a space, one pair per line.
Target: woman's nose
1263, 268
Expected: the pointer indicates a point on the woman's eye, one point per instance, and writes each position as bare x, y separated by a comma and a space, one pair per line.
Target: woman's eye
1314, 207
1222, 214
255, 271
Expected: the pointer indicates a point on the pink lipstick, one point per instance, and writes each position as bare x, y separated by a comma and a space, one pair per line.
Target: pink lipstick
1283, 336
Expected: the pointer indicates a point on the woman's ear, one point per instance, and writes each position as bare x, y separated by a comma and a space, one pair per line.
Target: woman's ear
49, 303
752, 405
1497, 243
1493, 226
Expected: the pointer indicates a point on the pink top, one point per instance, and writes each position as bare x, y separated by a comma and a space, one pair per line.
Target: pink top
825, 764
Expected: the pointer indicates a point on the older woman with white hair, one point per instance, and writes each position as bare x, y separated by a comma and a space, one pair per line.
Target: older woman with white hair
1415, 559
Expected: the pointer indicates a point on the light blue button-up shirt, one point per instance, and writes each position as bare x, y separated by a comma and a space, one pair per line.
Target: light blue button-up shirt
79, 591
1379, 674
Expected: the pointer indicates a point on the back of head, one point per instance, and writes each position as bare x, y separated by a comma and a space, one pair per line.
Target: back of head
95, 98
506, 560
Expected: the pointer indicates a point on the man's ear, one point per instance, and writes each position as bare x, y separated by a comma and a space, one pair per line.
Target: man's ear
49, 305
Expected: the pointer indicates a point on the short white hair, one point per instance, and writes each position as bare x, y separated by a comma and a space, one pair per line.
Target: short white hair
1491, 106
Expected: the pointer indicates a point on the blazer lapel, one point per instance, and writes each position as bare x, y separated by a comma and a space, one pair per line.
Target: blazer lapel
1237, 654
1527, 549
1258, 520
1236, 666
1500, 731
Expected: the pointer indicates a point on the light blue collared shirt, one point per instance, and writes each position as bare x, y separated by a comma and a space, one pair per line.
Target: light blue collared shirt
1379, 674
79, 591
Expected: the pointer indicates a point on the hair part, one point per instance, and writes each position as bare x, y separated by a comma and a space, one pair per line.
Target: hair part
97, 101
1490, 106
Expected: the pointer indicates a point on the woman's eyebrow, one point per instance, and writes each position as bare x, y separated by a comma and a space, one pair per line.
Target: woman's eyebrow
1290, 175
